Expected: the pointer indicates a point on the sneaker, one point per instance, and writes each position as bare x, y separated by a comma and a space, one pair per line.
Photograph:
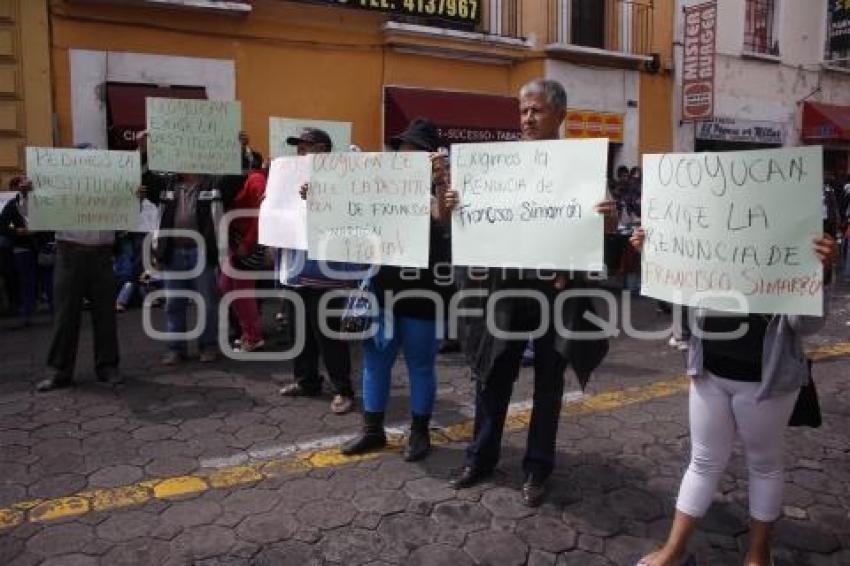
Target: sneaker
296, 390
342, 404
682, 346
673, 343
172, 358
55, 382
245, 346
208, 356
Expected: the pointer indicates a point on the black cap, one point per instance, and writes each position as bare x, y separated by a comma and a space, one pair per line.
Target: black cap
311, 135
421, 132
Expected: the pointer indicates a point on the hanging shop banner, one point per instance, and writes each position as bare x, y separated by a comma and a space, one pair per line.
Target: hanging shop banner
733, 231
592, 124
839, 25
741, 131
698, 66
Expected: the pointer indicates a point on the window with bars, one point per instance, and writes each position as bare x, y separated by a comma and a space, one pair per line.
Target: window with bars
760, 27
613, 25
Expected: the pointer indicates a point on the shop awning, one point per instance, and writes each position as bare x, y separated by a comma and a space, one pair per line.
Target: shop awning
125, 104
461, 117
825, 123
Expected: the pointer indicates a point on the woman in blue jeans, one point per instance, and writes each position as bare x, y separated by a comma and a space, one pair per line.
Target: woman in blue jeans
414, 325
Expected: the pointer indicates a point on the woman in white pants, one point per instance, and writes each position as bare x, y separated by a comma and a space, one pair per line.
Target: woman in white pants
745, 386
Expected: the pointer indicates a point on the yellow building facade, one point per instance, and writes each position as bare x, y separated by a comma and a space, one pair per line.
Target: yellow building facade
25, 95
322, 60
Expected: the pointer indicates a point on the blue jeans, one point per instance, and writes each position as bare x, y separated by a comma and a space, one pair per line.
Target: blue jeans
418, 340
184, 259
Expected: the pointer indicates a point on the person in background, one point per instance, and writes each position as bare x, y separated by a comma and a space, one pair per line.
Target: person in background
8, 278
832, 214
621, 182
413, 320
745, 387
312, 281
634, 187
846, 240
251, 160
83, 271
24, 246
245, 254
128, 268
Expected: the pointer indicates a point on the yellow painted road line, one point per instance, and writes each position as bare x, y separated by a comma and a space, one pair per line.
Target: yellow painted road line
39, 511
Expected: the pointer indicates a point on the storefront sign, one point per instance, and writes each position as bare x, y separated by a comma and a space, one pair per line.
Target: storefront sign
839, 25
698, 79
746, 131
467, 12
591, 124
450, 135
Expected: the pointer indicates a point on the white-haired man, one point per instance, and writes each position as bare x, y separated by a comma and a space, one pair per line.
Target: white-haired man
496, 361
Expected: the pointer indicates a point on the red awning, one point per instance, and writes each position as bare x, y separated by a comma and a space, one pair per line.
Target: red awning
460, 116
125, 104
825, 123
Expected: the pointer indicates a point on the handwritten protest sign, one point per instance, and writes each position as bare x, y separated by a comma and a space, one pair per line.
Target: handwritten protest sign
282, 128
372, 208
83, 189
283, 214
529, 204
194, 136
740, 222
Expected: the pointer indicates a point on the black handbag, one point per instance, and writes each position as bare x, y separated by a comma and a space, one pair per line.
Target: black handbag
807, 408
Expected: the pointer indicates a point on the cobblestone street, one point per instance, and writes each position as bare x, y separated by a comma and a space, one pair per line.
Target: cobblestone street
207, 464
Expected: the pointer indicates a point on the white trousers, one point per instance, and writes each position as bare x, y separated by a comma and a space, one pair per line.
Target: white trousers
720, 408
